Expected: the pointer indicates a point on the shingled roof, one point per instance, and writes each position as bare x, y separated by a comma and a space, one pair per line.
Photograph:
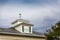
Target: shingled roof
12, 31
9, 30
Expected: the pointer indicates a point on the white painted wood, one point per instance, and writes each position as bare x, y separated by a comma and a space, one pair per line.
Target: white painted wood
19, 28
26, 29
31, 29
16, 23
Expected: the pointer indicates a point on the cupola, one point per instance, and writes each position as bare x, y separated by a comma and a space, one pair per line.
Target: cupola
23, 26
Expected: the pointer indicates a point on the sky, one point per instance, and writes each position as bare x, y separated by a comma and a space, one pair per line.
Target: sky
42, 13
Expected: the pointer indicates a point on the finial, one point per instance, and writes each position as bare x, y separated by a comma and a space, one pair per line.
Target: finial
20, 15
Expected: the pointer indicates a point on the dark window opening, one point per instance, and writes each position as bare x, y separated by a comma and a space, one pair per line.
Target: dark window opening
29, 29
22, 28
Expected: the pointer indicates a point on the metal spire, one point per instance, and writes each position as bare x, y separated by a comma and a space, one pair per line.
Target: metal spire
20, 15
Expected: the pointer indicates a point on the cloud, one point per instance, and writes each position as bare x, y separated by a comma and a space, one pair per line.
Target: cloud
43, 15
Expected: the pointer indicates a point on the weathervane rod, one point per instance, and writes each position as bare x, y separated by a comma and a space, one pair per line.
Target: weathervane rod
20, 15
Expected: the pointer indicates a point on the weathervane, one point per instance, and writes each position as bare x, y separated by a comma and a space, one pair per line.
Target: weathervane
20, 15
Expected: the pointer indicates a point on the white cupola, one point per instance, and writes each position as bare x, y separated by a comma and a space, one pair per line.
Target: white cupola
22, 25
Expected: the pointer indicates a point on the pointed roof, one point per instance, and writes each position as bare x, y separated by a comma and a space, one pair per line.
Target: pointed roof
20, 20
24, 24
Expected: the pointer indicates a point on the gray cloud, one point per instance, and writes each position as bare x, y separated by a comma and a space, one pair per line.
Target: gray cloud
42, 16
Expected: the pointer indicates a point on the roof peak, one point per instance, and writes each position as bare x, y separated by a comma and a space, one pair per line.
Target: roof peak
22, 20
